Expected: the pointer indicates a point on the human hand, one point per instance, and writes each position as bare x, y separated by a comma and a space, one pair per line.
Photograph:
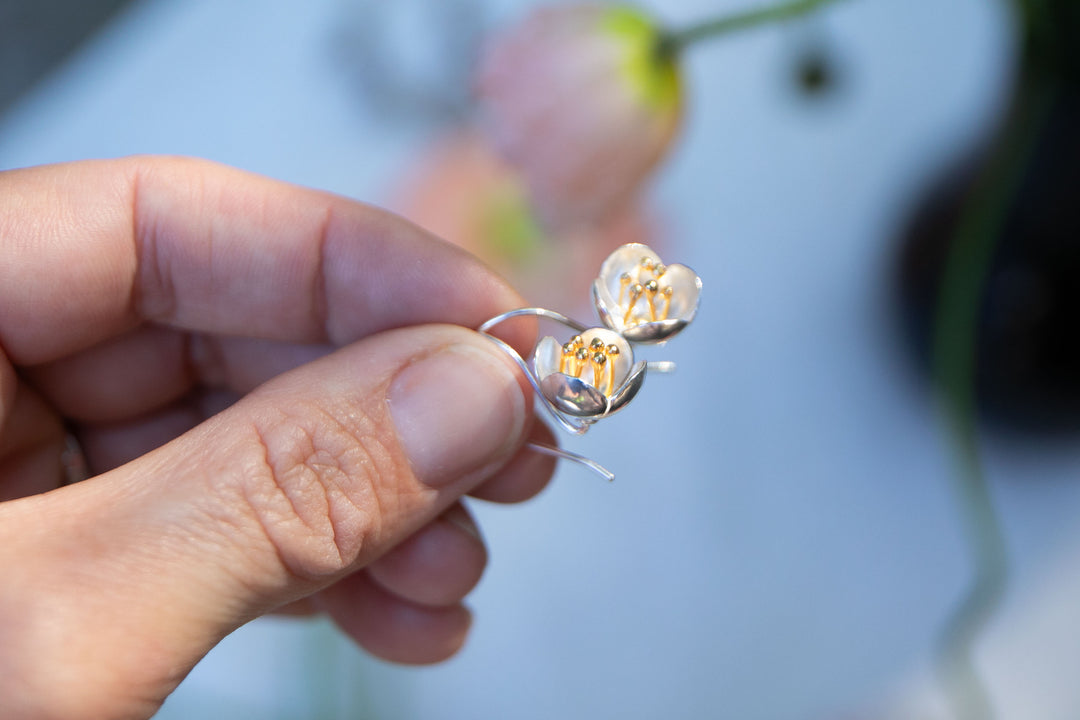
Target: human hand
270, 418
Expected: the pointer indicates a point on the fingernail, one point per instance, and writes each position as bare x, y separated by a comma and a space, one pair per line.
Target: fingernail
460, 519
455, 412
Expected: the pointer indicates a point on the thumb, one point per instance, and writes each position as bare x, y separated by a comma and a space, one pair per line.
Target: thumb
115, 587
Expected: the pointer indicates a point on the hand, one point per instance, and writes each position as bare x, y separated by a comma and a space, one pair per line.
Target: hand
269, 416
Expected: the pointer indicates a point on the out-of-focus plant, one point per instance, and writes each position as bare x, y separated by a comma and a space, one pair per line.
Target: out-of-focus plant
585, 99
464, 192
990, 276
576, 106
580, 103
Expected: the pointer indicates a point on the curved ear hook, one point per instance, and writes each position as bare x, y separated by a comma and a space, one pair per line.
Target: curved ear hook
568, 423
573, 457
532, 312
572, 425
670, 294
577, 427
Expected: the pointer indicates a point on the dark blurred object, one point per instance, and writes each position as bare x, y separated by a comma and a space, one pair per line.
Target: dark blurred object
815, 71
376, 46
36, 35
1027, 343
816, 67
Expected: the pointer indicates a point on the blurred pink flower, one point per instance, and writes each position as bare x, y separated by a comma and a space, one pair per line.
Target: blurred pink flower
464, 192
580, 99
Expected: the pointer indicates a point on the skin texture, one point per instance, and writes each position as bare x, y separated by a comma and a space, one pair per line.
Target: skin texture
280, 407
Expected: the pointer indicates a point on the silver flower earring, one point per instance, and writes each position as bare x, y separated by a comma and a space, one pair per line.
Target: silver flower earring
592, 374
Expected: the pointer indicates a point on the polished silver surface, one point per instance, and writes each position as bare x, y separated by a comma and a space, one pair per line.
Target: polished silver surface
575, 396
654, 332
617, 310
571, 425
532, 312
562, 454
629, 388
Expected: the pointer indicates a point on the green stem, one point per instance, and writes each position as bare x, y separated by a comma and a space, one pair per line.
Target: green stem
954, 343
675, 41
1030, 12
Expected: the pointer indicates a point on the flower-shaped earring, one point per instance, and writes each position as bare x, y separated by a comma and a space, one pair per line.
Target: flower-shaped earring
592, 374
641, 298
599, 355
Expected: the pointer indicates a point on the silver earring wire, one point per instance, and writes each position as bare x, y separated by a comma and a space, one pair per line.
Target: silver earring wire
571, 426
573, 457
576, 427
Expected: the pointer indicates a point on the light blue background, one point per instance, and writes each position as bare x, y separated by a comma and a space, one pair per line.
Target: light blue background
782, 541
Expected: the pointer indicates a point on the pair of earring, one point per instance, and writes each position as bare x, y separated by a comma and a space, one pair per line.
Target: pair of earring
592, 374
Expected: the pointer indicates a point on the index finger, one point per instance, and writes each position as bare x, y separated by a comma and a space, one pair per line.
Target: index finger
91, 249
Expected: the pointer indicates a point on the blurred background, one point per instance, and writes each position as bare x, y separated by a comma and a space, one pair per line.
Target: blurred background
785, 538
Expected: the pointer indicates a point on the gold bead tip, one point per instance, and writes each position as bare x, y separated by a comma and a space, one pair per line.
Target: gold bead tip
612, 350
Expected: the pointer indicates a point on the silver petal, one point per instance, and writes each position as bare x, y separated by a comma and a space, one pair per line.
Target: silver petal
684, 304
654, 332
629, 388
573, 396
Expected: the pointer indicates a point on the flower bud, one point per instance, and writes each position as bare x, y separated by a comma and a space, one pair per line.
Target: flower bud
582, 100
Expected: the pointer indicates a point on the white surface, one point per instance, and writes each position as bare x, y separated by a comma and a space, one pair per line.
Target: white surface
789, 547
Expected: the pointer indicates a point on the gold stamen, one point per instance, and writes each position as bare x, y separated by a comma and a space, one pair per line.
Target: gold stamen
597, 344
577, 342
667, 292
635, 292
566, 359
651, 288
624, 281
599, 360
659, 270
612, 353
582, 359
646, 263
